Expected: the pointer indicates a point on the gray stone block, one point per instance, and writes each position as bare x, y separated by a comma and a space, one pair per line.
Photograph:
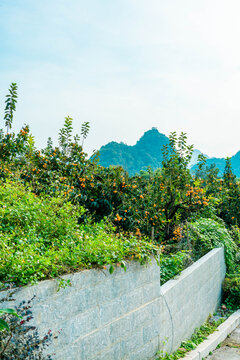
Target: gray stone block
147, 352
151, 331
95, 343
110, 311
115, 353
131, 343
143, 316
132, 300
79, 326
151, 291
121, 328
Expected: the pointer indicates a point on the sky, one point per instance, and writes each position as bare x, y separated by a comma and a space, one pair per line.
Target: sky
125, 66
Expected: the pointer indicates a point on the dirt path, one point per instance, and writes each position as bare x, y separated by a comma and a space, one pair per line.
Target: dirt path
230, 348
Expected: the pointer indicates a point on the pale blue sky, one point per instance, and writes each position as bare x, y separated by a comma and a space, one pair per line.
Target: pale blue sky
125, 66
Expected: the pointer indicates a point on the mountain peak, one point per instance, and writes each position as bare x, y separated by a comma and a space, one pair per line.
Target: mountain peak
153, 133
146, 152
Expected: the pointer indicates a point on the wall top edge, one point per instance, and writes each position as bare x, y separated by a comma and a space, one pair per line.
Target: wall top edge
188, 271
98, 274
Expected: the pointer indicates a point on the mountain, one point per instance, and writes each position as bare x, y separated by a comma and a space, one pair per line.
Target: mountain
194, 158
220, 164
146, 152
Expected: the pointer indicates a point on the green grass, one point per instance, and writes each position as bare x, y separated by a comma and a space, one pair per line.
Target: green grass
199, 335
41, 238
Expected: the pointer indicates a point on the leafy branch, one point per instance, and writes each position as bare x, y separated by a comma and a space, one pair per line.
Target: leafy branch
11, 100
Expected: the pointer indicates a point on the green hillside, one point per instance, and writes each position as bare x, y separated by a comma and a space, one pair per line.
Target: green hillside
146, 152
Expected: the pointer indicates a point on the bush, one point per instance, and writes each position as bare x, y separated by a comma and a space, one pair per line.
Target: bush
171, 265
207, 234
26, 218
231, 288
22, 340
41, 238
235, 233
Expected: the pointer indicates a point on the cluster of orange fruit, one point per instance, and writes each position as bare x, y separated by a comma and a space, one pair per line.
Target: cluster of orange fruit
24, 132
118, 218
177, 233
138, 232
69, 190
82, 181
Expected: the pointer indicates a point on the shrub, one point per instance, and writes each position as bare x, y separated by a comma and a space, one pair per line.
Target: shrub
41, 238
171, 265
21, 340
3, 324
235, 233
207, 234
231, 288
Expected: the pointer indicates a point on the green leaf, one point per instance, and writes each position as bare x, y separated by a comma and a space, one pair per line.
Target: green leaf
111, 269
9, 311
3, 325
123, 265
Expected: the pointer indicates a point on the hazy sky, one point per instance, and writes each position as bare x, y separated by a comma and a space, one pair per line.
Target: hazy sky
125, 66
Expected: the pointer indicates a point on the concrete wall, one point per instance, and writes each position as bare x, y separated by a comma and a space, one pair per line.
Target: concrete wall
191, 298
126, 315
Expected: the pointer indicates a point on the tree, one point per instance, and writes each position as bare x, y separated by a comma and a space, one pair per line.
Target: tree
11, 100
228, 174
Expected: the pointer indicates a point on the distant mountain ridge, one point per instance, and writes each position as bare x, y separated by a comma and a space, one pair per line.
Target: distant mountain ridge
220, 164
133, 158
148, 152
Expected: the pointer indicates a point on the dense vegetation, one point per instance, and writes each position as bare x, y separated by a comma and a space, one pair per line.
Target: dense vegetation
62, 211
43, 239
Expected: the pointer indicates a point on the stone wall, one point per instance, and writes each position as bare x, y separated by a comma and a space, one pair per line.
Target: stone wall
194, 295
126, 315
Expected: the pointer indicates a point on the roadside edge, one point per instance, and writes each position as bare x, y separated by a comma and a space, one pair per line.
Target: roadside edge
215, 338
